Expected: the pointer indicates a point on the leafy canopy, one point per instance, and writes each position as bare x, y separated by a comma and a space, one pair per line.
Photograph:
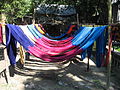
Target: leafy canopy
15, 8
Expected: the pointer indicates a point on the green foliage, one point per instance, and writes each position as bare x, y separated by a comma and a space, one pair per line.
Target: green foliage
86, 8
15, 8
117, 48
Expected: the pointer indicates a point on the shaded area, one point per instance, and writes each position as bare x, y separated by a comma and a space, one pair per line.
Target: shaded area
71, 75
68, 75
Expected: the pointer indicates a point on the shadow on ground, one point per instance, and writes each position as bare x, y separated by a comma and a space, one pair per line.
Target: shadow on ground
69, 75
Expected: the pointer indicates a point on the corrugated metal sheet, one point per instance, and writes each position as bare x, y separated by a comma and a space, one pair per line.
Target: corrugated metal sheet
55, 9
115, 1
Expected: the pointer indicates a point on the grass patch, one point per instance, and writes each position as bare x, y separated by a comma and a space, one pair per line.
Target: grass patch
117, 48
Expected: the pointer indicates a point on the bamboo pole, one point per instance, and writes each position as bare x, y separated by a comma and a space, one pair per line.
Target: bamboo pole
110, 45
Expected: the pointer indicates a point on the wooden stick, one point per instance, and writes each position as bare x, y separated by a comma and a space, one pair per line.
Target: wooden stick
88, 65
110, 45
22, 56
5, 75
78, 24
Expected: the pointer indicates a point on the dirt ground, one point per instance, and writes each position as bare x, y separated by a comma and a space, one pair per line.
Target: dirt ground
70, 75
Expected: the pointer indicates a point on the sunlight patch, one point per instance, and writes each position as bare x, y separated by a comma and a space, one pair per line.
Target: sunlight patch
75, 78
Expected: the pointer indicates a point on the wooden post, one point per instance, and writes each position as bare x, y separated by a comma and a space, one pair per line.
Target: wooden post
5, 62
22, 56
110, 44
88, 64
33, 21
78, 20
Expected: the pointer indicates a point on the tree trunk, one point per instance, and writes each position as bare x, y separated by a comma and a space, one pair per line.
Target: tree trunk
2, 18
33, 21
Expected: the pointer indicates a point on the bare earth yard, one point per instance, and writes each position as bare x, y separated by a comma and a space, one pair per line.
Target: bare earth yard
71, 75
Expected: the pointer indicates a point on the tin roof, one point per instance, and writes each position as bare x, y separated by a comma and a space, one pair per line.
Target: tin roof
62, 10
